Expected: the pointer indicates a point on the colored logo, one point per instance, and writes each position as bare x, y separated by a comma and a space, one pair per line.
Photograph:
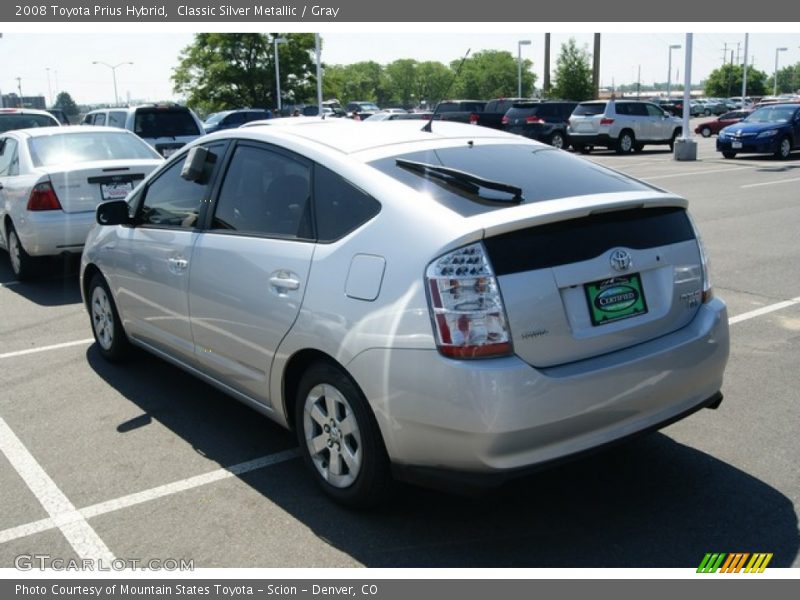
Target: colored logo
615, 298
720, 562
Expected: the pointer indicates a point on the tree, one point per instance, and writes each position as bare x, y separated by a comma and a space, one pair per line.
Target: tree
433, 78
727, 81
788, 79
573, 76
401, 81
227, 70
65, 102
491, 74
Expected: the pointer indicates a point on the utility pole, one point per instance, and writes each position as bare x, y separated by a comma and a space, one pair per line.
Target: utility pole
737, 52
596, 66
639, 84
19, 87
744, 69
546, 83
725, 54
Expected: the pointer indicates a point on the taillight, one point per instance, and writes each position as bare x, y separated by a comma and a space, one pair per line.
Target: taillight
708, 290
504, 120
606, 121
469, 318
533, 120
43, 197
473, 119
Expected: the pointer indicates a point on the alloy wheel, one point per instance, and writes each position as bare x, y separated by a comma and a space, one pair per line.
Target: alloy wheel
102, 318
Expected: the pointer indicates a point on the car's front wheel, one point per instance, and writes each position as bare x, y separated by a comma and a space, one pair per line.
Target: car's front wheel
339, 437
705, 132
729, 154
22, 263
784, 150
106, 325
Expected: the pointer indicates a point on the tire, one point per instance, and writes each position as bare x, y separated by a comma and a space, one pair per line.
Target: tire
638, 147
705, 132
784, 150
707, 112
625, 142
339, 438
558, 140
23, 265
675, 134
112, 341
729, 154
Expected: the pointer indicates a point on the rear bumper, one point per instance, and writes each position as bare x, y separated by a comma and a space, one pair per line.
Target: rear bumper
52, 232
497, 417
590, 139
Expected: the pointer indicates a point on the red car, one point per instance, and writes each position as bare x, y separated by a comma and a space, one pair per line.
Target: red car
729, 118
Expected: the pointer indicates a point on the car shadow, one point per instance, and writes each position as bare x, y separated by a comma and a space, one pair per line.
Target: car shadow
652, 502
55, 282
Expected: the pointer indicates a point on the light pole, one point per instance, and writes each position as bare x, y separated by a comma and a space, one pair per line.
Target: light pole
775, 87
113, 75
49, 89
520, 44
669, 68
276, 41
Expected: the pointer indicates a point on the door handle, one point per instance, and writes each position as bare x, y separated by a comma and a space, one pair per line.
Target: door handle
284, 281
178, 264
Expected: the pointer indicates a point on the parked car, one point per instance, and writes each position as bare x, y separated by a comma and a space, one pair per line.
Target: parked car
696, 108
361, 109
60, 115
621, 125
714, 106
413, 303
24, 118
394, 116
713, 127
773, 129
51, 181
477, 112
166, 127
542, 121
228, 119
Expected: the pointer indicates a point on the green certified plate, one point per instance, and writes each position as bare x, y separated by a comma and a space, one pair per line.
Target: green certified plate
616, 298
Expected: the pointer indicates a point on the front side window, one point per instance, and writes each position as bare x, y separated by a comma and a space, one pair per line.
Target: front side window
116, 118
8, 157
100, 119
265, 193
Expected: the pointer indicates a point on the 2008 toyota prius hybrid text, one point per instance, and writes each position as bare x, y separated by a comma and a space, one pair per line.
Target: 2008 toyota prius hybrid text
458, 305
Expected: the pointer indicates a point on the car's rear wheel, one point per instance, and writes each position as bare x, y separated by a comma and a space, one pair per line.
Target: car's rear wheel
784, 150
557, 140
707, 112
705, 132
625, 142
339, 437
23, 264
106, 325
675, 135
729, 154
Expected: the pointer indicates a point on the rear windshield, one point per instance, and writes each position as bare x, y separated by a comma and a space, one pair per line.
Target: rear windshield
522, 110
71, 148
445, 107
22, 121
541, 173
589, 109
164, 122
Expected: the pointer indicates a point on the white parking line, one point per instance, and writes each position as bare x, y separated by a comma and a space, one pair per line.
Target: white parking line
46, 348
752, 185
688, 173
161, 491
83, 539
763, 310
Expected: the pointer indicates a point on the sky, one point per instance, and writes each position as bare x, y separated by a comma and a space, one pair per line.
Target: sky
50, 61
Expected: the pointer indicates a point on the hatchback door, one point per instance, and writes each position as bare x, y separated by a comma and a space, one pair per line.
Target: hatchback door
166, 128
249, 269
587, 117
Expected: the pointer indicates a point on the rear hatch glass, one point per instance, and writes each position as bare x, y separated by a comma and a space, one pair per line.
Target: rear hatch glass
589, 109
23, 121
541, 174
164, 122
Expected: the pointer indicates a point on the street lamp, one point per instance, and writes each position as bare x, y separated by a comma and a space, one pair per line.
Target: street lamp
669, 68
775, 87
276, 41
520, 44
49, 89
113, 74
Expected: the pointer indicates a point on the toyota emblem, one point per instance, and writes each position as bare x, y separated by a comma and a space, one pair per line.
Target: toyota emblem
620, 260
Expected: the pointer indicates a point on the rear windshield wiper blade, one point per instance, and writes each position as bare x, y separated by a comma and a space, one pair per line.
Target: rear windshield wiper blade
467, 181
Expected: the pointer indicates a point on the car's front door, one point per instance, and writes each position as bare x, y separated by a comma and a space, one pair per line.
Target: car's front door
249, 268
152, 259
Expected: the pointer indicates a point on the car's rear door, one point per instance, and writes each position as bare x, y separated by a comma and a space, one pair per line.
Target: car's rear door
250, 266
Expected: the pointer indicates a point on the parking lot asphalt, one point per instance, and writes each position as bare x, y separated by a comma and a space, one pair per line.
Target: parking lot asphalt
142, 461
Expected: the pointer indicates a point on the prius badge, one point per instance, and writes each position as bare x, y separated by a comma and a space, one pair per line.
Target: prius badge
620, 260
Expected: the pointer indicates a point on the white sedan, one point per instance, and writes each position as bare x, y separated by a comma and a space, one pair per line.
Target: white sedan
53, 178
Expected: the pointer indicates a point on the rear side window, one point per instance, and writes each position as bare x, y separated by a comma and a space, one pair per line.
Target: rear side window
589, 109
164, 122
9, 160
542, 174
116, 118
340, 207
265, 193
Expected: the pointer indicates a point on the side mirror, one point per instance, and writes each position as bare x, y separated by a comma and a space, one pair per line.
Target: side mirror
197, 165
114, 212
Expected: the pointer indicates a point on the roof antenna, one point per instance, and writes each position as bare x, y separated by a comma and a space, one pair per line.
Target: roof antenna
427, 127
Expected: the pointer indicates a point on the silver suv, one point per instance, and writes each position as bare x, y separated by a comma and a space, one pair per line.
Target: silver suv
462, 303
621, 125
166, 127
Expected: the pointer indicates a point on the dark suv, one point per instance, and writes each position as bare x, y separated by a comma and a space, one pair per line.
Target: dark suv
229, 119
542, 121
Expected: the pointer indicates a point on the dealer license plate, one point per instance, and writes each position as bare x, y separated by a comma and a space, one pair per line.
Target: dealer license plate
115, 191
616, 298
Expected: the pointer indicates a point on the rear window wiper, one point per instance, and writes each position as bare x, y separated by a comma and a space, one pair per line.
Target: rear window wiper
463, 180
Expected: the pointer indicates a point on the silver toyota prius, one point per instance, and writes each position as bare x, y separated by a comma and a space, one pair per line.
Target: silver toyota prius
454, 305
